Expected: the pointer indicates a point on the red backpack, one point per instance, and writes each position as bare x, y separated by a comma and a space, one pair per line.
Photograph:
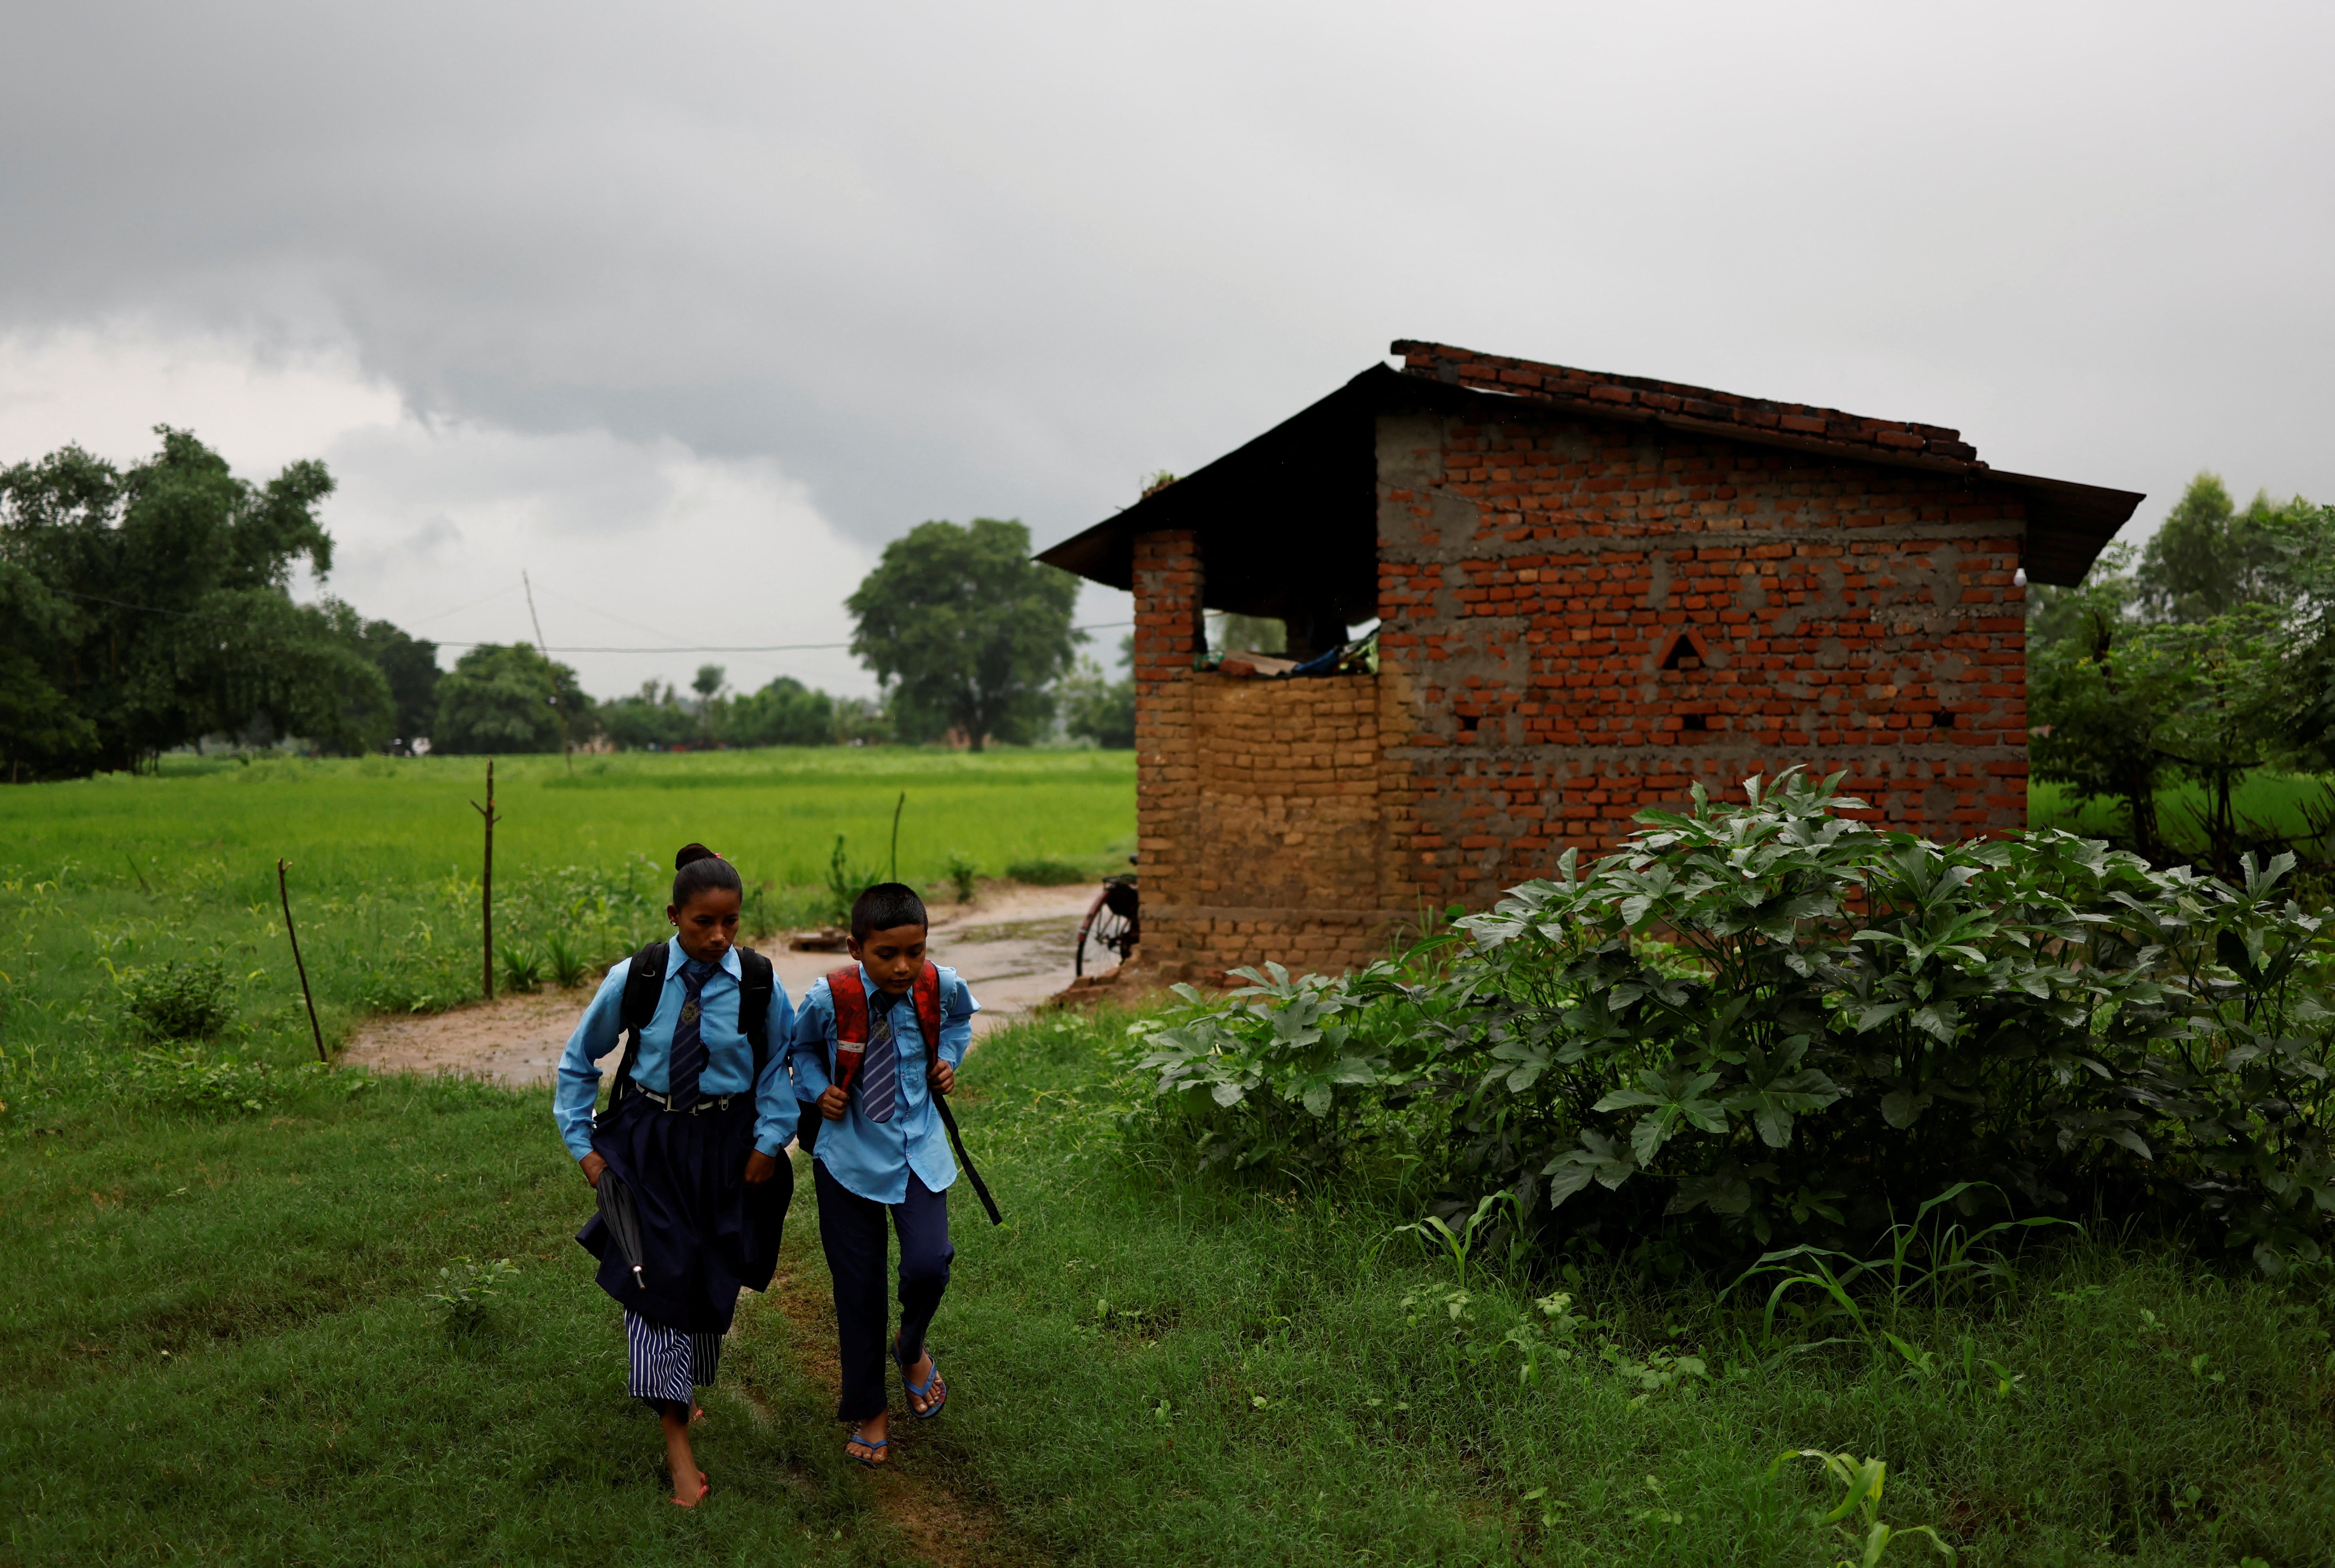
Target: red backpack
852, 1017
851, 1044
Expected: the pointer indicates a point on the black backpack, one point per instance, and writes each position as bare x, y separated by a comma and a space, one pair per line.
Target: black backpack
644, 985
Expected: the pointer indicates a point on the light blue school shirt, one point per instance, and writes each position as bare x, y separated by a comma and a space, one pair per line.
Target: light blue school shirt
729, 1055
872, 1158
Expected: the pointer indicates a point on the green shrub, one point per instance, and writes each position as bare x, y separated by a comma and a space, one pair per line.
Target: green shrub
522, 967
1271, 1075
1048, 873
962, 874
569, 966
1849, 1022
182, 1000
846, 882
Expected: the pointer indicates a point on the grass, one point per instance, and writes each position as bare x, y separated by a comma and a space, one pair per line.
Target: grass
218, 1342
225, 1352
105, 880
2276, 800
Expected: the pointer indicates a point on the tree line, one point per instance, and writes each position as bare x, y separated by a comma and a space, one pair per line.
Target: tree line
148, 609
2200, 658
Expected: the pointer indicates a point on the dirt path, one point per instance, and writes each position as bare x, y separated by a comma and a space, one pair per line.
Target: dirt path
943, 1528
1012, 945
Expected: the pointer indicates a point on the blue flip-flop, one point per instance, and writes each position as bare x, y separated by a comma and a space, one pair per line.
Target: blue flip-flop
922, 1390
865, 1442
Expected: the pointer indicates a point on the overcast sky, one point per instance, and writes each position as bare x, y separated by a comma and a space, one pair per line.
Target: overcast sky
687, 309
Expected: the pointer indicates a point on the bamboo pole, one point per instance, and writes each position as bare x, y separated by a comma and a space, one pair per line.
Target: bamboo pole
487, 889
895, 834
283, 890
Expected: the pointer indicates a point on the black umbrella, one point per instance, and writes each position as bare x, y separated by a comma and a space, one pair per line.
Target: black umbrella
621, 1215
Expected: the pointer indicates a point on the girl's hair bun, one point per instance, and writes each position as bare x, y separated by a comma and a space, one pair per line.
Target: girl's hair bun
697, 869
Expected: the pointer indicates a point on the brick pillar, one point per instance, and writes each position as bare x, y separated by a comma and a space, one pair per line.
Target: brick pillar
1168, 634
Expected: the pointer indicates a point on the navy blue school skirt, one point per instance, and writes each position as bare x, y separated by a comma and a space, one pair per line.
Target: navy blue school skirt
704, 1232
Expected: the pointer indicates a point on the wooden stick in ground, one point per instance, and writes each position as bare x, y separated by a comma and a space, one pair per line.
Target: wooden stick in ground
487, 888
283, 890
895, 834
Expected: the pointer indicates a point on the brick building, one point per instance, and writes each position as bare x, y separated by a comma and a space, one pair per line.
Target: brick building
1591, 591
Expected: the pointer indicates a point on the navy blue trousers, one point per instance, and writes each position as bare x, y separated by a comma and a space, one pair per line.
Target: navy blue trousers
851, 1231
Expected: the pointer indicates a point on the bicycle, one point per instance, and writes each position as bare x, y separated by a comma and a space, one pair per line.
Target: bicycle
1113, 921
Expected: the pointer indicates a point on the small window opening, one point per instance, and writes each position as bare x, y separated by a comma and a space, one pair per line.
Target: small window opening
1694, 721
1467, 724
1683, 653
1942, 720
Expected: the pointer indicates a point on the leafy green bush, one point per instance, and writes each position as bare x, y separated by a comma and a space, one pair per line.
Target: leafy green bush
1046, 872
182, 1000
1863, 1019
1271, 1075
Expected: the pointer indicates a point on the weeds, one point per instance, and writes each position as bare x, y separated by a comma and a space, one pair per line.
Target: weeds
522, 967
187, 1078
465, 1290
184, 998
1861, 1482
569, 966
1046, 872
963, 873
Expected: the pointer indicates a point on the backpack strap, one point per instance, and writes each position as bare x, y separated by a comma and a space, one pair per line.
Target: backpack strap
756, 982
644, 989
851, 999
927, 995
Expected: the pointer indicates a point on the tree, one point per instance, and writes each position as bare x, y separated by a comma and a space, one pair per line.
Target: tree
1100, 710
786, 713
655, 719
2306, 720
163, 611
2120, 703
966, 631
506, 698
2207, 557
410, 664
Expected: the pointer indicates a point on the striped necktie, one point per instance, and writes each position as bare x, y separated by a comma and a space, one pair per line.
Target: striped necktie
879, 1080
686, 1059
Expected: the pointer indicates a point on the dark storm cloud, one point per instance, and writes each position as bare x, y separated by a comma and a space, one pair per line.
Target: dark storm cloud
937, 261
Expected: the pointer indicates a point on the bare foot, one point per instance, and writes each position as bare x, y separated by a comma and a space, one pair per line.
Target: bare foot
689, 1485
877, 1429
920, 1376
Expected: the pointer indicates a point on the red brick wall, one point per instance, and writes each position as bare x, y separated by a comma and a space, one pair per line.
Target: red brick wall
1260, 830
1534, 575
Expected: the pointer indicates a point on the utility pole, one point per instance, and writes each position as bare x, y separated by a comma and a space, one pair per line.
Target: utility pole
567, 740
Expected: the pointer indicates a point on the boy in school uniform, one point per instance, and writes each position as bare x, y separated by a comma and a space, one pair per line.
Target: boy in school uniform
874, 1042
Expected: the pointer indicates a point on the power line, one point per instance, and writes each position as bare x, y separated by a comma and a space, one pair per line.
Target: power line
771, 648
766, 648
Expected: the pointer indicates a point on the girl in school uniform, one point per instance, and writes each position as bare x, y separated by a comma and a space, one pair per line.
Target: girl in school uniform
693, 1132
